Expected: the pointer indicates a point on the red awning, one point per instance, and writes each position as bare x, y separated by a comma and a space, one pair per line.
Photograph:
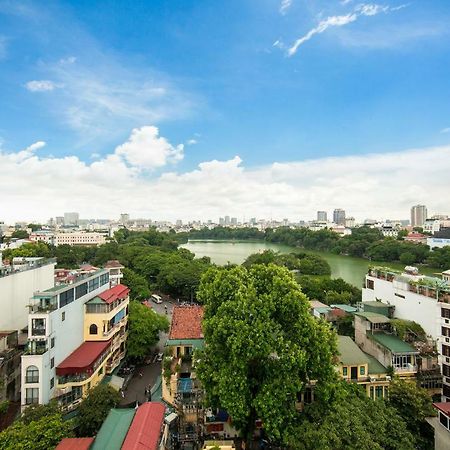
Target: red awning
145, 430
83, 358
111, 295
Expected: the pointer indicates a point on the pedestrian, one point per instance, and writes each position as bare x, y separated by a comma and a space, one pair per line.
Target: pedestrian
165, 307
140, 374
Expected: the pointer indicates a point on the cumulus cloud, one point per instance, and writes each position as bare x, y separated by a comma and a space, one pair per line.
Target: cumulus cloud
285, 5
375, 185
367, 10
445, 130
192, 142
147, 150
41, 85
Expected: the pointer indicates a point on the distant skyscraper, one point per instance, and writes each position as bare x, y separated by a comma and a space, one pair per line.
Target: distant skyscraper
321, 216
234, 221
71, 218
339, 216
227, 220
418, 215
221, 221
124, 218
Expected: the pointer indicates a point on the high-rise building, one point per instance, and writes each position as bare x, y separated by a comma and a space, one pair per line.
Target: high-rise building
339, 216
124, 218
227, 220
321, 216
418, 215
71, 219
234, 221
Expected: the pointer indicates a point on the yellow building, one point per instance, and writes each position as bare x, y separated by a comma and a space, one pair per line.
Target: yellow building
105, 333
359, 367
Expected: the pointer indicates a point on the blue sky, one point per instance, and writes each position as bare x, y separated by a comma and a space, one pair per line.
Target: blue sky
221, 79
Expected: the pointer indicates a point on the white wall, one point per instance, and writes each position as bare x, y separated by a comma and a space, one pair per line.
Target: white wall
16, 290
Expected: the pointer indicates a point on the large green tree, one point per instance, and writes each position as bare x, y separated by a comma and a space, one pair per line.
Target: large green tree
350, 421
144, 328
138, 285
262, 346
41, 434
414, 404
94, 409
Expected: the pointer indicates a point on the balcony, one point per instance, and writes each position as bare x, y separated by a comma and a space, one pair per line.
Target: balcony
36, 348
408, 369
38, 331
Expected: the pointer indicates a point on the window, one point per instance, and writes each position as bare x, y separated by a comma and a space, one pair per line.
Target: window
52, 383
81, 290
32, 375
445, 331
52, 342
66, 297
443, 419
446, 370
399, 295
445, 313
344, 371
52, 363
31, 396
362, 370
372, 392
63, 316
370, 284
379, 391
93, 329
445, 350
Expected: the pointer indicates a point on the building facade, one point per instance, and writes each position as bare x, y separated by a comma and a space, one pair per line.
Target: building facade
80, 238
419, 215
339, 216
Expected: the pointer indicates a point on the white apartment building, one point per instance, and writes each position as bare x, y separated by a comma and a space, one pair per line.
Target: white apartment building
79, 238
432, 226
418, 298
435, 242
17, 286
55, 330
42, 236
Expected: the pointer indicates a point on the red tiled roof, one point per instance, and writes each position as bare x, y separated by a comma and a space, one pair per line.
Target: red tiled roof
88, 268
147, 304
83, 358
186, 322
111, 295
145, 430
75, 444
114, 263
444, 407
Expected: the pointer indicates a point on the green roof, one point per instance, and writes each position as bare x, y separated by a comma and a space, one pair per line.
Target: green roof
95, 301
373, 317
196, 343
350, 353
376, 304
392, 343
375, 367
114, 430
323, 309
346, 308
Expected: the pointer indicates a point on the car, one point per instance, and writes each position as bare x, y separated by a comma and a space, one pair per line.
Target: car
159, 358
156, 299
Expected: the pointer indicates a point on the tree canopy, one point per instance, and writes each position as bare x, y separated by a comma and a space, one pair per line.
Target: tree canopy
94, 408
262, 346
144, 328
350, 421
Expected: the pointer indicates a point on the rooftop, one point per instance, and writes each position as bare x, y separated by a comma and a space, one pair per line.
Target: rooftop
75, 444
114, 429
350, 353
117, 292
83, 357
376, 304
373, 317
186, 322
145, 430
375, 367
113, 264
346, 308
317, 304
443, 407
393, 343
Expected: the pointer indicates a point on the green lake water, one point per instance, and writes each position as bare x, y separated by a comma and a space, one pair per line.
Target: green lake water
349, 268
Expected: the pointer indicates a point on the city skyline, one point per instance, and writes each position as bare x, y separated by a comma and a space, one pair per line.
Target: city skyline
169, 111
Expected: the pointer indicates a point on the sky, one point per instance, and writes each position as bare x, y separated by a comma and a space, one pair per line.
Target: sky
195, 109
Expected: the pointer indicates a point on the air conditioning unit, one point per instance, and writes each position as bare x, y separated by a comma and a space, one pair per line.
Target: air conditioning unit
388, 378
447, 339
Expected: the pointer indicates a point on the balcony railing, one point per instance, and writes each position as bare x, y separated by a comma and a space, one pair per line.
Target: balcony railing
409, 368
77, 378
38, 331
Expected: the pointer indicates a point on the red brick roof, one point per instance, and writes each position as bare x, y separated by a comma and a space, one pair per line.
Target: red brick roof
186, 322
75, 444
444, 407
147, 304
111, 295
83, 358
145, 430
113, 264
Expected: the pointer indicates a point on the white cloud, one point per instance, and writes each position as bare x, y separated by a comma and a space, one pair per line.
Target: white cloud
375, 185
340, 21
192, 142
36, 146
145, 149
41, 85
445, 130
285, 5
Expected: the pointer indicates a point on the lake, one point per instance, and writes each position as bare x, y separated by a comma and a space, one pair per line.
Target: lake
349, 268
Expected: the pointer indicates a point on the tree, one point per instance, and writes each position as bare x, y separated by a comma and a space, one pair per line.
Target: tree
40, 434
262, 346
414, 404
350, 421
407, 258
20, 234
94, 409
36, 412
144, 328
138, 285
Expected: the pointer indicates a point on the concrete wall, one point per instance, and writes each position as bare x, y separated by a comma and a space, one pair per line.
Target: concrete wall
16, 290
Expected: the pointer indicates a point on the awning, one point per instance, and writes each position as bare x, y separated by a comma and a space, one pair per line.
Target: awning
83, 358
